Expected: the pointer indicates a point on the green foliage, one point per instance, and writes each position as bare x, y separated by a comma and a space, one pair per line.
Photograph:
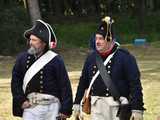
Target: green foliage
127, 28
75, 34
13, 23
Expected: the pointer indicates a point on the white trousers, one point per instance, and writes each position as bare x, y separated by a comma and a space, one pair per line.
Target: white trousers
42, 112
104, 108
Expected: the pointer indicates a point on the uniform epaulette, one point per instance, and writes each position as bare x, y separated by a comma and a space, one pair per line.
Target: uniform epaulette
124, 50
91, 52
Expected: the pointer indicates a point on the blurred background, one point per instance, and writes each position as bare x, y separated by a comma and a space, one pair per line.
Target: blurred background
137, 27
133, 19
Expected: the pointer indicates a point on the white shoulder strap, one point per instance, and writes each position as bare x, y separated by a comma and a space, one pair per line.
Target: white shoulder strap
36, 66
97, 73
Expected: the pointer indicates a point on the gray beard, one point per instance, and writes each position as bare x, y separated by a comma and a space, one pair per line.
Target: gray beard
33, 51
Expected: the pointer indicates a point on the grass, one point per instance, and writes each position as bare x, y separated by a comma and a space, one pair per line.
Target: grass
148, 59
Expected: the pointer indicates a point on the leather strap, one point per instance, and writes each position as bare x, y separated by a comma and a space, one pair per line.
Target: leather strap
97, 74
106, 78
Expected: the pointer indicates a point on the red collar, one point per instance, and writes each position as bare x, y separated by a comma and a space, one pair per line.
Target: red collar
107, 53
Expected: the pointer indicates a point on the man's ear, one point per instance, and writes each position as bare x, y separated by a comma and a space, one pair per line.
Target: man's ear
44, 44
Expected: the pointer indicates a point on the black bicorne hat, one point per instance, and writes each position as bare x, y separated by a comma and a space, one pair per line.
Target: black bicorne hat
105, 28
43, 31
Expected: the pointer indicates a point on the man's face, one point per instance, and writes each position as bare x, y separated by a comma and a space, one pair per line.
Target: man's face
36, 45
102, 45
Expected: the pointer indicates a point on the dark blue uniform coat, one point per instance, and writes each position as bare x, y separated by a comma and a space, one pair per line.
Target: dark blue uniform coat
51, 79
124, 73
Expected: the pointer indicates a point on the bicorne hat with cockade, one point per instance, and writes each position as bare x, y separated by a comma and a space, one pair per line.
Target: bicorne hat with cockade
105, 28
43, 31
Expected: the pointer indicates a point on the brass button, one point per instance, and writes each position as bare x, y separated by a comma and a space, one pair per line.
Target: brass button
94, 66
41, 87
109, 66
27, 66
107, 89
27, 61
110, 61
41, 82
40, 91
29, 57
94, 72
41, 72
109, 72
41, 77
107, 94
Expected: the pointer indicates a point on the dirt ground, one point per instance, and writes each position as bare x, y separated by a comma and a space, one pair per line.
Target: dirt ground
148, 59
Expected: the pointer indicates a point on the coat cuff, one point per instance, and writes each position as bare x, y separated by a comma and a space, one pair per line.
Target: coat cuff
22, 100
137, 111
65, 112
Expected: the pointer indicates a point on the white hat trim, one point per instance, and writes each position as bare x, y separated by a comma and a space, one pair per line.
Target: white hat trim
53, 35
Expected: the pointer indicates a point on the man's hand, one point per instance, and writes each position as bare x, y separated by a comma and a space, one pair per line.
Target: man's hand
62, 116
26, 104
76, 112
136, 115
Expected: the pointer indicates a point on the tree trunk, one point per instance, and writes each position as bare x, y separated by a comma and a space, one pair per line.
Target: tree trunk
50, 7
109, 7
150, 4
140, 6
97, 6
34, 11
156, 5
24, 3
58, 7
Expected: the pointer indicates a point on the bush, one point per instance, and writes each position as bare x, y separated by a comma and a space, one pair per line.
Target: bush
13, 21
75, 34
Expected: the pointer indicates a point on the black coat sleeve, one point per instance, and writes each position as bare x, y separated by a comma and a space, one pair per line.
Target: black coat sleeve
65, 88
133, 77
83, 83
16, 86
